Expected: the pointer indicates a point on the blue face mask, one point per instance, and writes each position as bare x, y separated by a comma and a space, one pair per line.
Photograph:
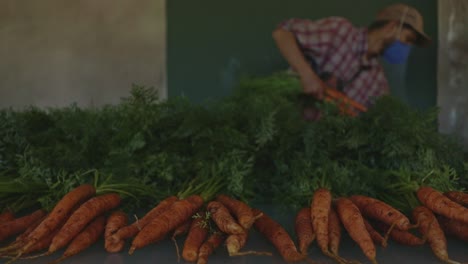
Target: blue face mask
397, 52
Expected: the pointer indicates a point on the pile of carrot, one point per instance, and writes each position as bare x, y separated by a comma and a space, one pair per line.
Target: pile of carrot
82, 218
370, 222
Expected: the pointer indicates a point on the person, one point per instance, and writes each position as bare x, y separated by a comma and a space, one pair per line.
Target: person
333, 52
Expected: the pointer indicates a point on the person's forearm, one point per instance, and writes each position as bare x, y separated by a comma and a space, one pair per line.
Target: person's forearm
288, 47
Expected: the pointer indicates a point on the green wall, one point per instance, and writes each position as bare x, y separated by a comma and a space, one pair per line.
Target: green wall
211, 44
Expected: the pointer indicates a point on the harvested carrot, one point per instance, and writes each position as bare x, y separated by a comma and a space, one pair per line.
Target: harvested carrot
85, 238
304, 232
115, 221
376, 236
133, 229
209, 246
223, 219
319, 212
441, 204
457, 196
20, 240
60, 212
278, 236
353, 222
197, 234
81, 217
6, 216
378, 210
454, 228
179, 212
402, 237
179, 231
430, 228
20, 224
239, 209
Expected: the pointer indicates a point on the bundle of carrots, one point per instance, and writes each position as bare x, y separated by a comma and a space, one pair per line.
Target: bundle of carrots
81, 218
76, 222
364, 218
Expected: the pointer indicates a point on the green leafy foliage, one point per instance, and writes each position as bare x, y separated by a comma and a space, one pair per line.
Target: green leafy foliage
253, 145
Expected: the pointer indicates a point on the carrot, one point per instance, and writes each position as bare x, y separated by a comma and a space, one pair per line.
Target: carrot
353, 222
6, 216
429, 227
234, 243
19, 225
85, 238
115, 221
133, 229
19, 241
180, 230
376, 236
303, 227
319, 212
402, 237
60, 212
454, 228
81, 217
209, 246
197, 234
440, 204
240, 210
457, 196
378, 210
223, 219
179, 212
278, 236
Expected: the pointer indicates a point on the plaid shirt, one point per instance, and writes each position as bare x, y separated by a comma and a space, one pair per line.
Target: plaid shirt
335, 46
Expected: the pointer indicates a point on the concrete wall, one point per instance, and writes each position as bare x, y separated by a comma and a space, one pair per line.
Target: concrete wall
453, 68
54, 52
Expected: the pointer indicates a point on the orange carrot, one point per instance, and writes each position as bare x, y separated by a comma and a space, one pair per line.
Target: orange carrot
81, 217
353, 222
196, 236
402, 237
440, 204
430, 228
60, 212
223, 219
240, 210
454, 228
209, 246
133, 229
179, 212
6, 216
85, 238
19, 225
115, 221
278, 236
319, 212
376, 236
304, 232
457, 196
378, 210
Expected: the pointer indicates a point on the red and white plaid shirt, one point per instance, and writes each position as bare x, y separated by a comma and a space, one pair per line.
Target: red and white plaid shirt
338, 47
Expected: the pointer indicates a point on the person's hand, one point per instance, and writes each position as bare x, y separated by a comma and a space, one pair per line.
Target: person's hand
312, 85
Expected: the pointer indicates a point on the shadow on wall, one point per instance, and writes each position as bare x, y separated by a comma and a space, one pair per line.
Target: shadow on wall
453, 68
55, 53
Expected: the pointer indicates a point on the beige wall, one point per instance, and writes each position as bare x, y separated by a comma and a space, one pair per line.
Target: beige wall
453, 68
55, 52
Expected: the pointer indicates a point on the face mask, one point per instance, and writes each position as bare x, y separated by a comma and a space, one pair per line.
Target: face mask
397, 52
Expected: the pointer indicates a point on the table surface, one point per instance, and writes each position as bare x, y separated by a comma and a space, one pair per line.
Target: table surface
164, 251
